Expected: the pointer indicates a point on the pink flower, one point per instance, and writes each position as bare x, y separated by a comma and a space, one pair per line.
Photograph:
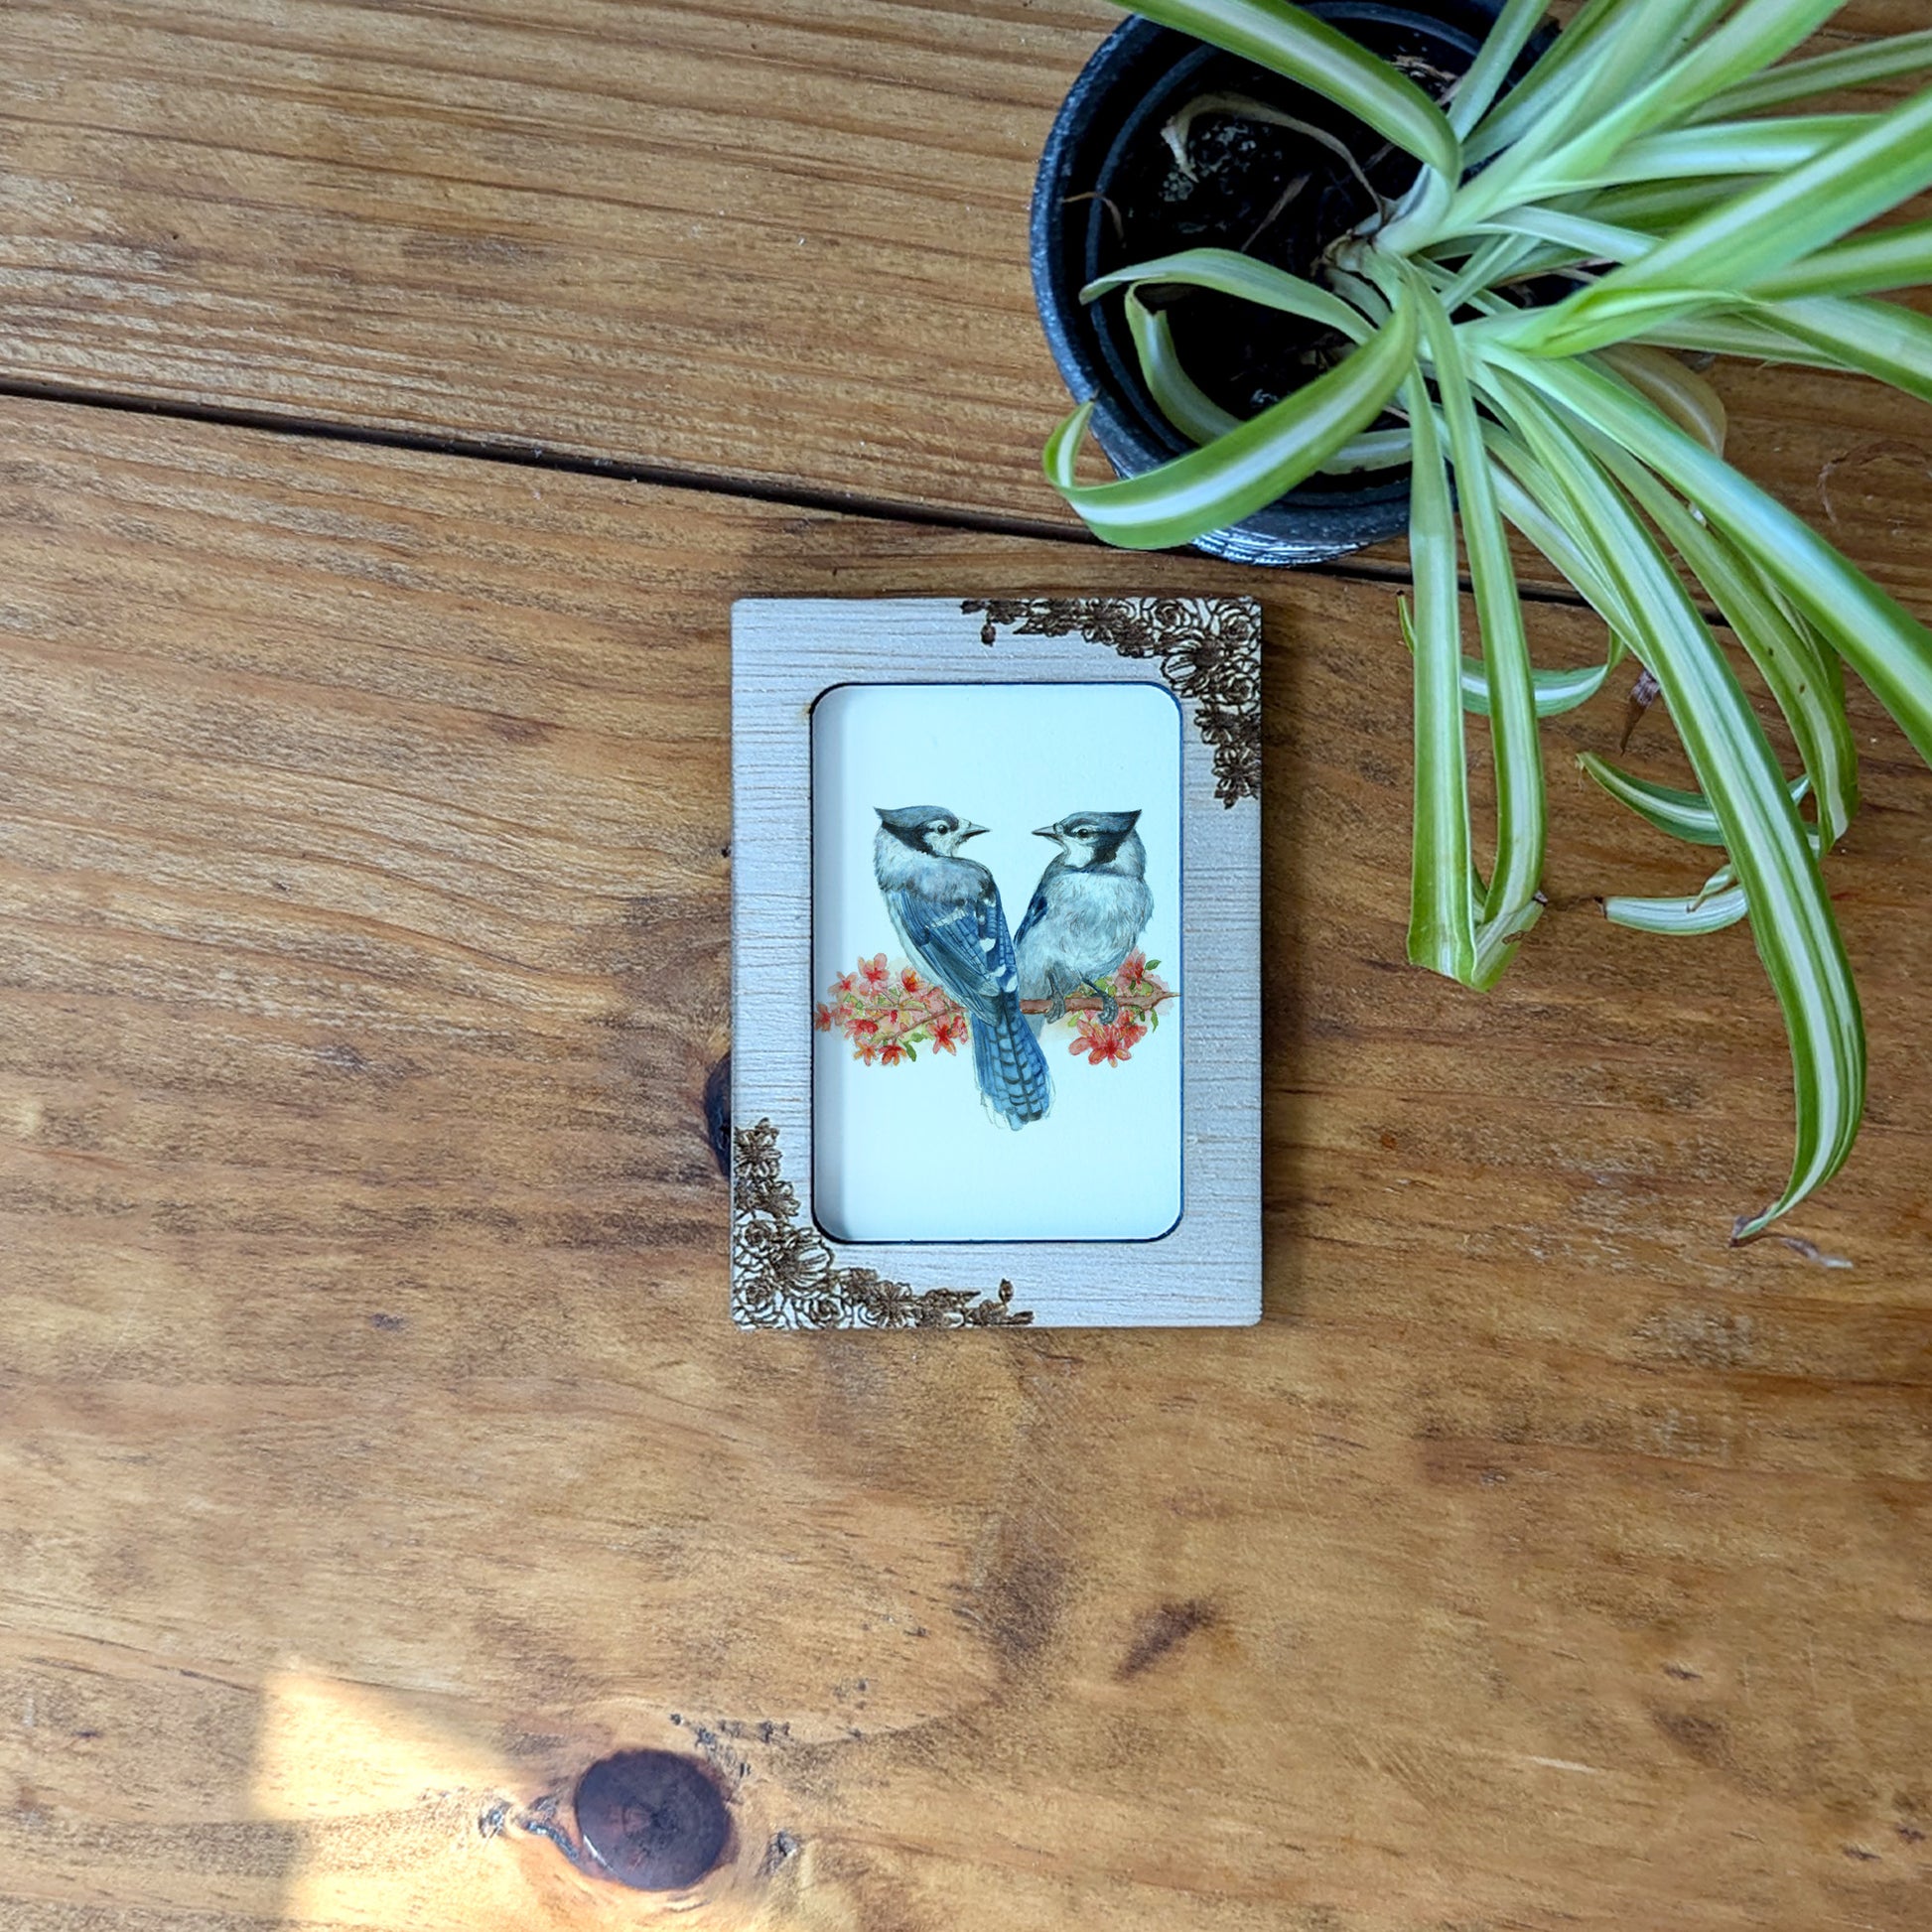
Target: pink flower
1106, 1045
886, 1012
1132, 971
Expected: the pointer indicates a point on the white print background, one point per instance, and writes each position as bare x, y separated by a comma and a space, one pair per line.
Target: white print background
909, 1153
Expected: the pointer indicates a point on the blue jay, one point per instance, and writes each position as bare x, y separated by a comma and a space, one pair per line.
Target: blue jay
1087, 909
947, 911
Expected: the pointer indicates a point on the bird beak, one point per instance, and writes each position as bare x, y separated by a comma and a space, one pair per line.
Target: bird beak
1045, 832
970, 831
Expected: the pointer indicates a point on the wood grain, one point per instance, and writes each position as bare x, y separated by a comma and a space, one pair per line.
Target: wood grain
779, 248
377, 1450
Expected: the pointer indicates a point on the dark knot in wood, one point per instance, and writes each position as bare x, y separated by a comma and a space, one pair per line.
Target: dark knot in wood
652, 1819
718, 1114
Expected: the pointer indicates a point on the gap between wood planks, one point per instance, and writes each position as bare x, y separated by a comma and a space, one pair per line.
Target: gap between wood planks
534, 456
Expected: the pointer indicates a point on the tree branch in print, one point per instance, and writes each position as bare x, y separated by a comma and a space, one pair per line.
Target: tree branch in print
890, 1009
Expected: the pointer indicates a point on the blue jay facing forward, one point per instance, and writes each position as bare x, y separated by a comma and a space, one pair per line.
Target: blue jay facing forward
947, 911
1087, 910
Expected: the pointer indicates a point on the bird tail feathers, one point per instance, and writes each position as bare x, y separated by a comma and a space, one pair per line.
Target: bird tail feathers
1012, 1076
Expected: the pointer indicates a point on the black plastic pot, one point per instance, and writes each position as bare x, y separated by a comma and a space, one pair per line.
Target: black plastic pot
1133, 85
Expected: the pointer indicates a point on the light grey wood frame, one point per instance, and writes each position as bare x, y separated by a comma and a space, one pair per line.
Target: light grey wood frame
785, 1272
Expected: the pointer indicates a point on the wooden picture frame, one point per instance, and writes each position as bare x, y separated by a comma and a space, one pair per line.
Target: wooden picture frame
787, 1272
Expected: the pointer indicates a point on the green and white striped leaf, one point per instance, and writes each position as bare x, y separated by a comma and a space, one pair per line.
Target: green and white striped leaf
1731, 148
1786, 655
1374, 449
1578, 235
1719, 902
1745, 333
1754, 233
1556, 691
1883, 340
1684, 815
1192, 412
1470, 97
1286, 40
1198, 416
1620, 316
1705, 911
1565, 66
1510, 904
1654, 206
1867, 65
1680, 392
1525, 494
1228, 273
1595, 59
1638, 90
1246, 469
1791, 917
1865, 264
1723, 148
1888, 646
1442, 886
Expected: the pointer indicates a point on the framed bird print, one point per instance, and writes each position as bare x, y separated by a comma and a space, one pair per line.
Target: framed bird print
995, 964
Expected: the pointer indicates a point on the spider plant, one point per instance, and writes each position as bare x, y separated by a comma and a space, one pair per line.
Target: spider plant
1642, 169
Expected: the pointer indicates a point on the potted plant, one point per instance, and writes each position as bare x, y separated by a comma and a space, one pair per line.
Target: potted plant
1537, 237
1165, 142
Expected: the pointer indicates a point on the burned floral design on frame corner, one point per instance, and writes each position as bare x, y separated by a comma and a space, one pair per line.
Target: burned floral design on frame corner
1207, 648
785, 1274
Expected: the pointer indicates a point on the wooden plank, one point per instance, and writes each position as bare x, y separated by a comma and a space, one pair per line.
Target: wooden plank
782, 248
377, 1450
731, 240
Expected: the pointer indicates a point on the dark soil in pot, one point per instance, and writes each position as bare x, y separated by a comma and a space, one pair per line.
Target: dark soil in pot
1112, 191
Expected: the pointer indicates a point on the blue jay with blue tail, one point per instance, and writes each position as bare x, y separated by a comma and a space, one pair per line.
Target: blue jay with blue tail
947, 911
1086, 913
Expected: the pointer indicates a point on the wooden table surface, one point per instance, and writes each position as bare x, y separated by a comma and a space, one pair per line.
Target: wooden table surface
394, 397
